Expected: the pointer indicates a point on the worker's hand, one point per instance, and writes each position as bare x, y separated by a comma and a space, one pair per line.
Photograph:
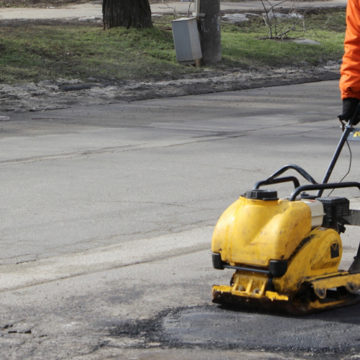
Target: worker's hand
349, 107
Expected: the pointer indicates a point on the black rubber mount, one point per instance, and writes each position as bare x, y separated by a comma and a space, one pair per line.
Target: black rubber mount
259, 194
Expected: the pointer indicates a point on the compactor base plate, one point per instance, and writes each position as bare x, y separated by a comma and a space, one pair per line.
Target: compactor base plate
304, 303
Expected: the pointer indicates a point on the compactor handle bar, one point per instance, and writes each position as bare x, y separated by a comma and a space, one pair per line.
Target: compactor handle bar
278, 181
273, 179
348, 127
347, 130
322, 187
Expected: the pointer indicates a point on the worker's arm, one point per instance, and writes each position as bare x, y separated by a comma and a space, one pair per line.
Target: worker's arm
350, 69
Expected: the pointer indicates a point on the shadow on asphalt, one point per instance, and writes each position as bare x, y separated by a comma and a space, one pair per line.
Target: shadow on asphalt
347, 314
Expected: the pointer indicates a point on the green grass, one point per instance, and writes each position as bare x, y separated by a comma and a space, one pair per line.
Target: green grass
247, 45
46, 3
39, 3
46, 52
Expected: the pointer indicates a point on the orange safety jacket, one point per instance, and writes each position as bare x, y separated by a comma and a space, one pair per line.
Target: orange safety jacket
350, 68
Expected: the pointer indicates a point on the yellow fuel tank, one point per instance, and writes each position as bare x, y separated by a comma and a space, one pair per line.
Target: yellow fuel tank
253, 232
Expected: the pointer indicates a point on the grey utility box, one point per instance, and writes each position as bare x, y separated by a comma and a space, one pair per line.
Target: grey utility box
186, 40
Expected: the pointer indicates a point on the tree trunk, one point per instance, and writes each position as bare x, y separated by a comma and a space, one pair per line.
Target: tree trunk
128, 13
210, 36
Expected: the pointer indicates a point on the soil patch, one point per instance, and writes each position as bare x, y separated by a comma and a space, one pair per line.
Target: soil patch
47, 95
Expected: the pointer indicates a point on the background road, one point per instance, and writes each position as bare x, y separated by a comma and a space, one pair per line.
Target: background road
107, 215
90, 11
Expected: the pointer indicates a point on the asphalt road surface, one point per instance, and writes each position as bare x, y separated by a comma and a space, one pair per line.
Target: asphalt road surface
107, 216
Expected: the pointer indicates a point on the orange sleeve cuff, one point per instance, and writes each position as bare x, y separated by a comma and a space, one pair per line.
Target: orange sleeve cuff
350, 69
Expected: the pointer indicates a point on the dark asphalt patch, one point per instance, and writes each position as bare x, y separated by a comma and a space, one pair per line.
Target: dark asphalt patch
321, 335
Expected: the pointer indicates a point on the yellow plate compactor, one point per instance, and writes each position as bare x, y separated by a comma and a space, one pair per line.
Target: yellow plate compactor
286, 252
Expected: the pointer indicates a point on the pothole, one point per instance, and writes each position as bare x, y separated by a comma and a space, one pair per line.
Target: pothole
212, 327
